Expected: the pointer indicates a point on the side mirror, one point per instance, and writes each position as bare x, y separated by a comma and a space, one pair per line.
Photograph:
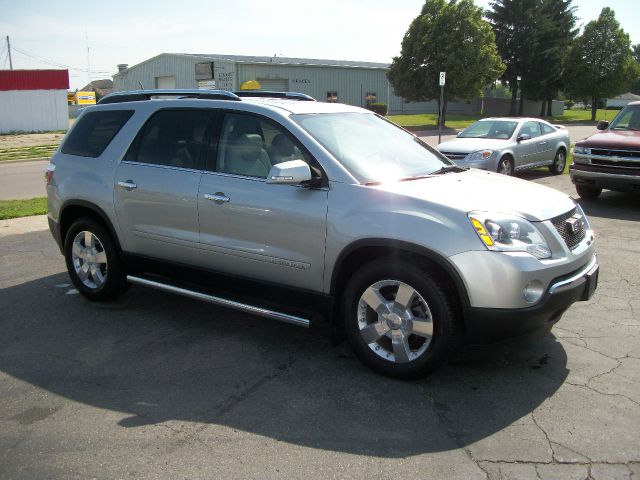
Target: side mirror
458, 134
292, 172
602, 125
524, 136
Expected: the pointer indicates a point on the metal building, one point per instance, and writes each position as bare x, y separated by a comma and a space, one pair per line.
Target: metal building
354, 83
33, 100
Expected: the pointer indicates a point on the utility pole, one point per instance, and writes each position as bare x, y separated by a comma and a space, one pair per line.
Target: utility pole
441, 82
9, 51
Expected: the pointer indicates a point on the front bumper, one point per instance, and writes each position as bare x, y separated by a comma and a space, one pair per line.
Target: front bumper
493, 325
610, 178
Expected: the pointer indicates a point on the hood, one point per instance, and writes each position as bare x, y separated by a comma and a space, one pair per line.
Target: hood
486, 191
468, 145
615, 139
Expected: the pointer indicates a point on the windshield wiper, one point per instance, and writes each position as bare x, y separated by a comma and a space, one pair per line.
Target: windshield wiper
449, 169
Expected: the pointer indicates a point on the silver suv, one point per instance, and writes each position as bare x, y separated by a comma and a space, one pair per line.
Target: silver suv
313, 213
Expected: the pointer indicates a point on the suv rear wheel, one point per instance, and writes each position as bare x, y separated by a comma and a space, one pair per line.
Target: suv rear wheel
93, 262
398, 320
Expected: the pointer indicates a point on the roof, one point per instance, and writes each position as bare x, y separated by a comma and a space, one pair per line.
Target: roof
212, 57
626, 96
34, 80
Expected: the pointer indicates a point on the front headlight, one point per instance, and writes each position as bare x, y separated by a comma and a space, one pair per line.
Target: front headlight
582, 150
509, 233
479, 155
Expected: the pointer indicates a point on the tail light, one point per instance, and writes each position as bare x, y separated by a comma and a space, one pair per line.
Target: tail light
48, 173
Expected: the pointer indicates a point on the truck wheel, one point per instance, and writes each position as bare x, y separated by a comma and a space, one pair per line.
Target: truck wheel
559, 162
588, 192
93, 262
399, 321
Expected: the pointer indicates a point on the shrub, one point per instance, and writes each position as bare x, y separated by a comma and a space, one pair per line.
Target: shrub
379, 108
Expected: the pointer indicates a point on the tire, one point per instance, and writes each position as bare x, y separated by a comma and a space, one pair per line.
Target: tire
559, 163
382, 336
93, 262
505, 166
588, 192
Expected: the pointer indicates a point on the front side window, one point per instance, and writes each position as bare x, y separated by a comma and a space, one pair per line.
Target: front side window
530, 128
94, 131
371, 148
172, 138
250, 146
627, 119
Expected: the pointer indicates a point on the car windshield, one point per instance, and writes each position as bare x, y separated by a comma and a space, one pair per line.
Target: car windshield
497, 129
371, 148
627, 119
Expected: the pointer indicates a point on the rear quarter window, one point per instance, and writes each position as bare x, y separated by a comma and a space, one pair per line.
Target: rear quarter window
94, 131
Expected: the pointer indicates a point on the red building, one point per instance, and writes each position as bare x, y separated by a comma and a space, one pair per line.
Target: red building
33, 100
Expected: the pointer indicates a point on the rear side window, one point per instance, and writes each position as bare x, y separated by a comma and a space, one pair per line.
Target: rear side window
547, 128
172, 138
94, 131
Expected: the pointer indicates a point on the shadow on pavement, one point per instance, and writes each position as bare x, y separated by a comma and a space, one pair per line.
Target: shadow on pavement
615, 205
156, 357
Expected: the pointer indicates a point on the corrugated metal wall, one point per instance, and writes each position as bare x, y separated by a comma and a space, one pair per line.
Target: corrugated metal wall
33, 110
351, 84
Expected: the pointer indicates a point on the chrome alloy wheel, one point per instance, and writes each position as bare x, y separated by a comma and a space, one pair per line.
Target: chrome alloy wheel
561, 160
89, 260
395, 321
505, 167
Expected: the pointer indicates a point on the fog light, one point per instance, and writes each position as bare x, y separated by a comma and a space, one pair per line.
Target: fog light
533, 291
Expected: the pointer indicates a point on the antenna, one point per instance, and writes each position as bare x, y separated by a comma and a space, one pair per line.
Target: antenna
9, 52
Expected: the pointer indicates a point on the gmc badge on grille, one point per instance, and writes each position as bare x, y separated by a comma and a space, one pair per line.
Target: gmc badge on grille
575, 223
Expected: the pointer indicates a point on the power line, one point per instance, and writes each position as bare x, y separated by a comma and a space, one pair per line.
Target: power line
56, 64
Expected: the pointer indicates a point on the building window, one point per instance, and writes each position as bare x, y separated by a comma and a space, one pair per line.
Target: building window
370, 98
332, 97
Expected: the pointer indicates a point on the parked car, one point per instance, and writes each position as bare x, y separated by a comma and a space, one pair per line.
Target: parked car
611, 158
506, 145
302, 211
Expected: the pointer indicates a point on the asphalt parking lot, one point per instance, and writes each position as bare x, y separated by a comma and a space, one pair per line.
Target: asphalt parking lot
159, 386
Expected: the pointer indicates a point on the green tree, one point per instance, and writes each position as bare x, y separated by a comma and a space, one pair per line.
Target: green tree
533, 37
600, 63
447, 36
635, 85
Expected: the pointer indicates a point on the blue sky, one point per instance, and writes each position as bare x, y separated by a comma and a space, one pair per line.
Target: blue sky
47, 34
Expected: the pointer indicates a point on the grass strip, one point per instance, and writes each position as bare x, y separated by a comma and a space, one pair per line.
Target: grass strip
22, 208
18, 153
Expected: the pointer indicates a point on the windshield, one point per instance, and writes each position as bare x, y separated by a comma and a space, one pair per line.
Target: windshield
371, 148
497, 129
627, 119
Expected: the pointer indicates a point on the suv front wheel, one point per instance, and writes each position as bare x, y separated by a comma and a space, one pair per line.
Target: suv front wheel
93, 262
398, 320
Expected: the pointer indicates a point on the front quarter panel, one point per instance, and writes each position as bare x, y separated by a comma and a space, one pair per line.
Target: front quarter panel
359, 212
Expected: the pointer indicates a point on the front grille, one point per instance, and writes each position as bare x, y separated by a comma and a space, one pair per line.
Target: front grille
610, 163
616, 153
570, 238
454, 156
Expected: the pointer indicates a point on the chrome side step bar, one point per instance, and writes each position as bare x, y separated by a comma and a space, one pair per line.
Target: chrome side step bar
223, 302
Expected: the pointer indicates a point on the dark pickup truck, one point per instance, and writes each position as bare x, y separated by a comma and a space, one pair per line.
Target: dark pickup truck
611, 158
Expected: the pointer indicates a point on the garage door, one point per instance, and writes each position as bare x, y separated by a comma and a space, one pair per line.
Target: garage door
274, 84
166, 83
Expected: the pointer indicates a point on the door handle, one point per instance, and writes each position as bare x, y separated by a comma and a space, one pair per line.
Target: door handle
218, 198
543, 143
128, 185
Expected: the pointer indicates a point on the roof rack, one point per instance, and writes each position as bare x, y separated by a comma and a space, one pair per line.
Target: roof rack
139, 95
303, 97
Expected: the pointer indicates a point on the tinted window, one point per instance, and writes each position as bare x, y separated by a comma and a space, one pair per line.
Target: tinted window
173, 138
250, 146
627, 119
547, 128
531, 128
94, 132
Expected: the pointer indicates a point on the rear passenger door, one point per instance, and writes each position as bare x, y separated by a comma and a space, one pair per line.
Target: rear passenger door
156, 185
250, 228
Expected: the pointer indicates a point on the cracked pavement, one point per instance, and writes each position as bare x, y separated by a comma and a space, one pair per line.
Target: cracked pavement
159, 386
